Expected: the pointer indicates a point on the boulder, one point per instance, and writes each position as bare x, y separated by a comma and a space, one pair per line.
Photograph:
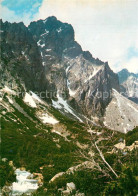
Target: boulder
71, 186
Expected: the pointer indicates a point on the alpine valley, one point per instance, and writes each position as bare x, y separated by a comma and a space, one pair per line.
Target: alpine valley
68, 122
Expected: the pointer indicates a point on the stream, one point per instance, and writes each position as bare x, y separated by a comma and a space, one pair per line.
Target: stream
24, 183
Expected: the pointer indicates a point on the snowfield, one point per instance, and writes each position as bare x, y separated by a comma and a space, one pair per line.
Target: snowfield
48, 119
61, 103
29, 99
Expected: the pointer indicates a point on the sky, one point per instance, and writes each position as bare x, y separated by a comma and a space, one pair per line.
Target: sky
107, 28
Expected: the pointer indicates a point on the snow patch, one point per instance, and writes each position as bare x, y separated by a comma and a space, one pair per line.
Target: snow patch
23, 53
38, 43
28, 99
6, 89
36, 97
67, 69
46, 32
48, 55
10, 100
43, 63
41, 54
59, 30
41, 45
71, 93
54, 131
45, 21
56, 105
48, 119
48, 49
63, 104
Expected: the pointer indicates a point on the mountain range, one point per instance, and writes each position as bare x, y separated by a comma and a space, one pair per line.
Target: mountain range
45, 58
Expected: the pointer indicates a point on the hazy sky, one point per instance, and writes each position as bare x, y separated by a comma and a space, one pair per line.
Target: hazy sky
107, 28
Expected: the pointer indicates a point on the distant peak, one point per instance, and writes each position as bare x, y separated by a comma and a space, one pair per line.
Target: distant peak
125, 70
124, 74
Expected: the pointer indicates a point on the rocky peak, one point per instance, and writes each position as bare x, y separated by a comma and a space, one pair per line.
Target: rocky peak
129, 84
53, 39
46, 56
124, 74
53, 28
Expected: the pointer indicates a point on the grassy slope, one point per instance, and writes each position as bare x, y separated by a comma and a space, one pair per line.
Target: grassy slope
31, 144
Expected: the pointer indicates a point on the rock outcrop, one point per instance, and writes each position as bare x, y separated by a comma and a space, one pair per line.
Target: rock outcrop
121, 114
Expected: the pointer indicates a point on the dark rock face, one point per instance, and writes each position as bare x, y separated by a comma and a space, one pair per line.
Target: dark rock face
45, 56
20, 60
129, 84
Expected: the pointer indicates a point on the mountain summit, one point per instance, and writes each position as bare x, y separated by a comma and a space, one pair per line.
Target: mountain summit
44, 57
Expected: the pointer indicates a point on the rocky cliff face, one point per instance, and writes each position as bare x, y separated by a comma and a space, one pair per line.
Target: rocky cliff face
45, 56
71, 71
20, 60
129, 84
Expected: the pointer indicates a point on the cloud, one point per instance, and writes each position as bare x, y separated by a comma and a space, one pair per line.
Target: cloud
21, 4
11, 16
17, 11
106, 28
131, 65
